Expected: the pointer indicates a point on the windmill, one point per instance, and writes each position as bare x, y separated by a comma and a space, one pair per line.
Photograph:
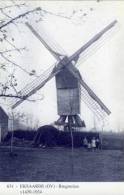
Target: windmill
70, 86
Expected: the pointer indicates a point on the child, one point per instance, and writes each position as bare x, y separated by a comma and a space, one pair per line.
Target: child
97, 143
93, 143
89, 146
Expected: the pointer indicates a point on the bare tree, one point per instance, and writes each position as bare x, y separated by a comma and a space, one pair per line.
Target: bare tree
7, 19
12, 15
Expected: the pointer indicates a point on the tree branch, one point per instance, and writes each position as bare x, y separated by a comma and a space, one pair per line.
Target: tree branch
19, 16
8, 60
20, 97
11, 6
12, 45
5, 14
11, 50
13, 96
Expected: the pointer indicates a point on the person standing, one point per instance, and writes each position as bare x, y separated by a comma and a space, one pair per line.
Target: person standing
97, 143
85, 142
89, 147
93, 143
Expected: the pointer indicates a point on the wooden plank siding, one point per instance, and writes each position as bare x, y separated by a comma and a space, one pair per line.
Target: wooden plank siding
66, 80
68, 92
68, 101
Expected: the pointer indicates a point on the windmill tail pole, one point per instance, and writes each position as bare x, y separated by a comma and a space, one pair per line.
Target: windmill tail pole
72, 145
94, 39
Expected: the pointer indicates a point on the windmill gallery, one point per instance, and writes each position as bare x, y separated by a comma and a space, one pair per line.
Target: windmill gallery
70, 86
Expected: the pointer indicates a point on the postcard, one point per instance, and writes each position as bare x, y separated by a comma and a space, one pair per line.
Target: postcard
61, 97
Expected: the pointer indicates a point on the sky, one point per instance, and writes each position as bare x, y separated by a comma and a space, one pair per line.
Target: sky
101, 66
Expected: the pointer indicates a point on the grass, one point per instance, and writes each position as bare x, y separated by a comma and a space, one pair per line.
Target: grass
113, 141
55, 164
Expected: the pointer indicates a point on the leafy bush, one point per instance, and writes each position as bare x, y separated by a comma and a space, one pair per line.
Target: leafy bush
64, 138
50, 136
20, 134
46, 135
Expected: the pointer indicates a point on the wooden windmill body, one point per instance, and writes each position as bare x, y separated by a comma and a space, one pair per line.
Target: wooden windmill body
69, 84
68, 93
68, 97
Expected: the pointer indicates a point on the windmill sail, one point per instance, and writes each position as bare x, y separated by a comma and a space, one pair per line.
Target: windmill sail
92, 40
53, 47
31, 88
88, 89
92, 105
94, 97
101, 108
35, 85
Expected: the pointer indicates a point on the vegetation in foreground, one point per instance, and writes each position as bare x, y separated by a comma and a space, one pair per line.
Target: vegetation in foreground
50, 136
56, 164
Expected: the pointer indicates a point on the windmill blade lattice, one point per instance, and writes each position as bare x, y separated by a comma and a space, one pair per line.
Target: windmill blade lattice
90, 92
92, 105
92, 40
97, 46
71, 74
54, 48
34, 86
